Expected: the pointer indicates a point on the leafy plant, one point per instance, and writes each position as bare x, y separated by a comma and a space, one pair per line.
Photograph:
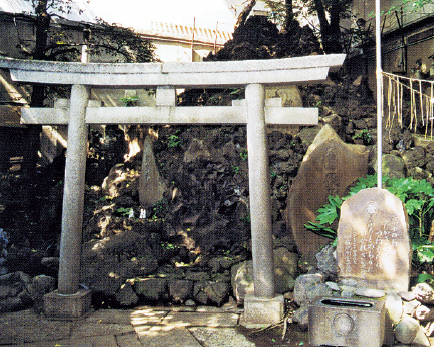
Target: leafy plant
125, 211
365, 136
418, 199
167, 245
160, 208
244, 154
173, 141
130, 100
245, 218
235, 169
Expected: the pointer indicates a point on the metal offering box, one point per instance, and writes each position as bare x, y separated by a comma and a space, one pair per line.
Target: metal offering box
348, 322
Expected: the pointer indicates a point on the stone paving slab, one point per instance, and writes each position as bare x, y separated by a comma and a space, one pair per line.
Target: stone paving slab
163, 336
220, 337
27, 326
130, 340
110, 316
201, 319
81, 330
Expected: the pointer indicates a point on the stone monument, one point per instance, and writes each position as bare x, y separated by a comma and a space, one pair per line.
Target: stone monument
329, 167
374, 246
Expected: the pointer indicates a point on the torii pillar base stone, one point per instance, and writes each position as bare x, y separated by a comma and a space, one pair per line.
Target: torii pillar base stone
260, 312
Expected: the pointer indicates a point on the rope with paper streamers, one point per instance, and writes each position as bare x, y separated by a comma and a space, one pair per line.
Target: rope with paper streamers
421, 101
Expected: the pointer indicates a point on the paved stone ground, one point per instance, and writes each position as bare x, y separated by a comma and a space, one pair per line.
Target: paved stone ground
143, 326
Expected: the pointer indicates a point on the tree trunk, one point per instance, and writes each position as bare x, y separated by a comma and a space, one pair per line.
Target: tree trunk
289, 15
244, 14
330, 32
335, 44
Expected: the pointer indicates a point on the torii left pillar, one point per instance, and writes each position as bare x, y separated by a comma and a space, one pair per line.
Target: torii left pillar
70, 301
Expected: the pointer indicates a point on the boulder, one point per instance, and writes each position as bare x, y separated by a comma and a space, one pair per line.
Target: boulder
424, 313
180, 290
151, 288
217, 292
301, 317
409, 331
424, 293
121, 181
392, 166
370, 292
415, 157
394, 307
290, 95
40, 286
14, 295
304, 288
329, 167
286, 260
196, 150
126, 295
199, 294
242, 280
285, 269
410, 307
327, 262
109, 262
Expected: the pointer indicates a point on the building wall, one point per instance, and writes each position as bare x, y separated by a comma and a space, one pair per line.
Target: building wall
407, 36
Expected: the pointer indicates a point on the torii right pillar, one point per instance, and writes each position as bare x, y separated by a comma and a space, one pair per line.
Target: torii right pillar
263, 307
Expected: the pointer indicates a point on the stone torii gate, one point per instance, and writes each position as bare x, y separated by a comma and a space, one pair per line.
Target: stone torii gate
70, 300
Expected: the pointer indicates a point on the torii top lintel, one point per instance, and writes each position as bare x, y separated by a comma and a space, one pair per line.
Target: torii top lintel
309, 69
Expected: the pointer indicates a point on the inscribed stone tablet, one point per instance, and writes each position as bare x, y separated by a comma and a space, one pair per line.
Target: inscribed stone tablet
329, 167
373, 241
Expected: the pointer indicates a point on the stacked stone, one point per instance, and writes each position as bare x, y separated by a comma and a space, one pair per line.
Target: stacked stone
19, 291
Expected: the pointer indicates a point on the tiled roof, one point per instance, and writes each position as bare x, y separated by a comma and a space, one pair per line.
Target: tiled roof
184, 32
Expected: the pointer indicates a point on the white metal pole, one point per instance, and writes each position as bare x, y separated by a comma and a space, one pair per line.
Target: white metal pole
379, 76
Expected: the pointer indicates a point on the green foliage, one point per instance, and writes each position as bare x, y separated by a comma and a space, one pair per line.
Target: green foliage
235, 169
173, 141
365, 136
244, 154
160, 208
122, 44
424, 277
167, 245
418, 199
130, 100
327, 215
407, 6
246, 218
125, 211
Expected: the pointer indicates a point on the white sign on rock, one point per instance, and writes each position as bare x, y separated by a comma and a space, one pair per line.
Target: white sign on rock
373, 242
